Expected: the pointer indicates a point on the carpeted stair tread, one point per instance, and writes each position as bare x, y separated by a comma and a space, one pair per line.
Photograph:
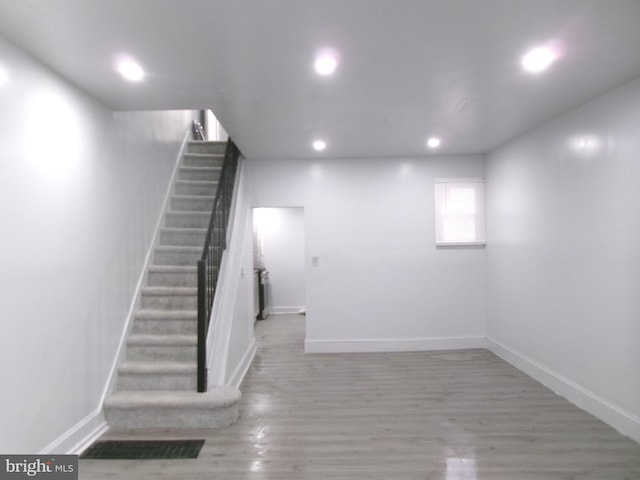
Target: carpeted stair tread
192, 197
158, 367
209, 172
204, 155
172, 269
165, 322
184, 230
183, 255
199, 173
196, 146
183, 236
178, 249
195, 187
151, 314
205, 183
214, 398
186, 213
162, 340
169, 291
189, 203
173, 275
205, 171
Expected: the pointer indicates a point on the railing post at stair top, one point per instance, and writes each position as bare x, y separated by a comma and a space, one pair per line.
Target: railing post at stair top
198, 131
209, 264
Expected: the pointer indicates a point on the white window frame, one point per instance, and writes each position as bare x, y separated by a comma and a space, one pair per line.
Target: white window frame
443, 188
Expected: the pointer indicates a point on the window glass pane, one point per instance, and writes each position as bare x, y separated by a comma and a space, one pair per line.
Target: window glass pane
459, 205
459, 229
461, 201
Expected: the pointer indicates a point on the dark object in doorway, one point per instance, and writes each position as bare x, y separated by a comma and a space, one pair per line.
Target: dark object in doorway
263, 278
143, 449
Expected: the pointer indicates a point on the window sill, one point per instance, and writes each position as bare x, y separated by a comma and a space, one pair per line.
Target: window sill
461, 244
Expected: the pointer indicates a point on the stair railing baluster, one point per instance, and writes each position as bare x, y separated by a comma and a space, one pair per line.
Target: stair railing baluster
215, 243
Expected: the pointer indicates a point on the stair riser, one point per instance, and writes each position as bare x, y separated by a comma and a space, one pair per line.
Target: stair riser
198, 161
157, 279
200, 147
165, 327
203, 174
192, 204
187, 220
148, 353
174, 279
196, 189
184, 238
176, 258
160, 418
170, 302
157, 381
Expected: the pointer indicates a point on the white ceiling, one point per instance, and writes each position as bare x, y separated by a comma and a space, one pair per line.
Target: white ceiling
408, 69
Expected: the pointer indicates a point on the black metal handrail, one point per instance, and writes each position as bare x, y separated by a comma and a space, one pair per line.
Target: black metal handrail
214, 245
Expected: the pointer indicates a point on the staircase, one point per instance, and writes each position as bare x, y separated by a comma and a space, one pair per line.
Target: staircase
156, 385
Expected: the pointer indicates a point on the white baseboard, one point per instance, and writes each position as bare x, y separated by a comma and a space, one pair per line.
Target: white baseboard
235, 380
393, 344
623, 421
75, 440
279, 310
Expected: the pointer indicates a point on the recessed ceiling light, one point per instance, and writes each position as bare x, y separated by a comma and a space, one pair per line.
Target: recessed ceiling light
538, 59
433, 142
4, 78
326, 62
130, 70
319, 145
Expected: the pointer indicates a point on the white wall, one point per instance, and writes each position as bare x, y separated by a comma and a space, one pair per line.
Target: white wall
380, 283
282, 234
564, 255
80, 192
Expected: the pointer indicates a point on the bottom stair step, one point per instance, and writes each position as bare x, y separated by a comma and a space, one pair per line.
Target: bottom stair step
156, 410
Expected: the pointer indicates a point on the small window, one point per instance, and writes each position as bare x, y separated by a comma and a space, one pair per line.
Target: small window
460, 211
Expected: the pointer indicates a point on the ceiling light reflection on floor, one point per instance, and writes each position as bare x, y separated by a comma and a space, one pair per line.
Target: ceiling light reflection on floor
461, 469
256, 466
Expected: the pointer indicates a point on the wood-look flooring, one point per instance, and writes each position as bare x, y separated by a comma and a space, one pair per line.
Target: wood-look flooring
461, 415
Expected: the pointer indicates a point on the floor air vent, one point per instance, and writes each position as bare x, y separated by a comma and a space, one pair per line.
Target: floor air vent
143, 449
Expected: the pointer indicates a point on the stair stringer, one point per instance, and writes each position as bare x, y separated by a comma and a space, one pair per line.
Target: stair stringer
224, 304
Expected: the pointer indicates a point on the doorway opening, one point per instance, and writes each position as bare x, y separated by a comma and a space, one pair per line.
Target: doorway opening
279, 261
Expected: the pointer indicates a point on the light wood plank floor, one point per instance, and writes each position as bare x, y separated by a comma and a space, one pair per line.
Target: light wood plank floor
464, 415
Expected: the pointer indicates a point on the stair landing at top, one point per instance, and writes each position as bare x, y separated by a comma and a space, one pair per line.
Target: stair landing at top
216, 148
